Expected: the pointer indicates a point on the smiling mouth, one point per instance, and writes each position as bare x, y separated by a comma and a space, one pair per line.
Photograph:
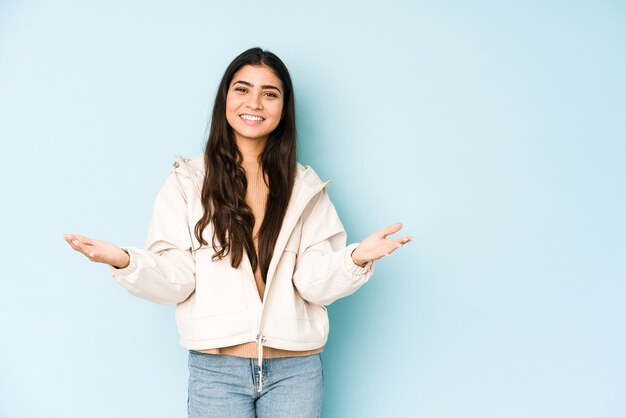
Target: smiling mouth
252, 118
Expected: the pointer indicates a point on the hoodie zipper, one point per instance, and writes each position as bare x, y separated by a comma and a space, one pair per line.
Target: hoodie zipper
260, 339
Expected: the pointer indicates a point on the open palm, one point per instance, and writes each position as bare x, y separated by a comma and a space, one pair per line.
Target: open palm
377, 245
98, 251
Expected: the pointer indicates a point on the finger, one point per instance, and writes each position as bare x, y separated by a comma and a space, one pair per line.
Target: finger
405, 240
391, 229
85, 249
78, 246
82, 238
70, 240
73, 238
394, 244
399, 242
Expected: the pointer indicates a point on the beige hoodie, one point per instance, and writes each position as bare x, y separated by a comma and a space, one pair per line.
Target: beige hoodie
219, 306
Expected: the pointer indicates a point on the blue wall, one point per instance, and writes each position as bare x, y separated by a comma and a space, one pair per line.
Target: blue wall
495, 132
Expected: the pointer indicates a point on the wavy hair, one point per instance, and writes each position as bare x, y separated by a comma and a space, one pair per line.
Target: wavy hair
224, 185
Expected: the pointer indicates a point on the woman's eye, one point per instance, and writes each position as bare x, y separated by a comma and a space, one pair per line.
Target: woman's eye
241, 89
272, 95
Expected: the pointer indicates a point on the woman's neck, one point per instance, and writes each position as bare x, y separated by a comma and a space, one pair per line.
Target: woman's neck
251, 149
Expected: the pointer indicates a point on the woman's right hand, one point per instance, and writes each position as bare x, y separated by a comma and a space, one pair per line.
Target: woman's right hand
99, 251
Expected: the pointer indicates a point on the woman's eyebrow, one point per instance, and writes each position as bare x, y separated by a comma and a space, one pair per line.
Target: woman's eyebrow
246, 83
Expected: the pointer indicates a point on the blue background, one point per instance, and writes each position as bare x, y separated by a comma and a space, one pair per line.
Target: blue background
494, 130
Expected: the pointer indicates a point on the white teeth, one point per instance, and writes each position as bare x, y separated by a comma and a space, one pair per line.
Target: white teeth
250, 117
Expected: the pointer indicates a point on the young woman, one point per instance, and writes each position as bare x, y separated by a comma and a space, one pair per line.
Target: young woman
248, 245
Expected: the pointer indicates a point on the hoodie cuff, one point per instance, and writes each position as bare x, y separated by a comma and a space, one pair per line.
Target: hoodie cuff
130, 268
352, 269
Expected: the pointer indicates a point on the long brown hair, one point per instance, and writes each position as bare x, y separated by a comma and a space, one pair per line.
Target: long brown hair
224, 186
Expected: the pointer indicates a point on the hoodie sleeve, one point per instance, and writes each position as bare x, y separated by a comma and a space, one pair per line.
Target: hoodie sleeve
163, 272
325, 271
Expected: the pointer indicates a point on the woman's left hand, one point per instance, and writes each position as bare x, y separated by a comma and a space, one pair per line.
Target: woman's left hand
378, 245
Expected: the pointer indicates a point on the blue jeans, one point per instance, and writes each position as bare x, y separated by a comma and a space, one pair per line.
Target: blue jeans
226, 386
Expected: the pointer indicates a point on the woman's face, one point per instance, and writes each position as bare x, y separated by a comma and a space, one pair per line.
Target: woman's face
254, 103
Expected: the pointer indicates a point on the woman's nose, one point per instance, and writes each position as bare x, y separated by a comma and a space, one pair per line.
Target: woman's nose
255, 102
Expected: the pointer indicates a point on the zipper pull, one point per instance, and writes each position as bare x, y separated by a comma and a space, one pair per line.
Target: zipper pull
260, 339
